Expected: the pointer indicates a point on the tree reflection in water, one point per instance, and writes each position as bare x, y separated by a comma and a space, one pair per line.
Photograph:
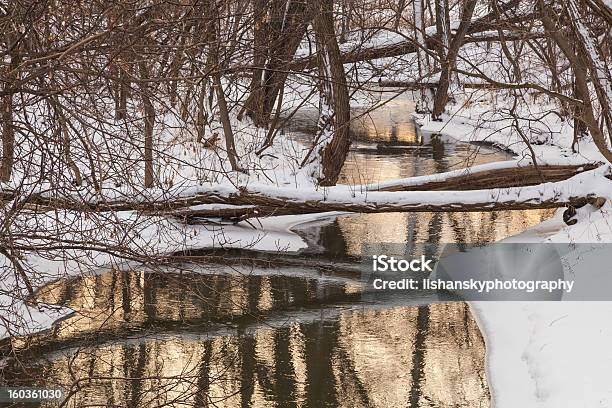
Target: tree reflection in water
404, 356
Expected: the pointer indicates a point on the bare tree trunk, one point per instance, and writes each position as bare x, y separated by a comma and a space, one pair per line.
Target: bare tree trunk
149, 123
580, 128
63, 135
8, 139
336, 112
202, 115
442, 28
423, 105
598, 66
230, 146
347, 9
449, 58
117, 68
124, 90
216, 66
260, 49
283, 35
401, 5
513, 58
6, 112
417, 13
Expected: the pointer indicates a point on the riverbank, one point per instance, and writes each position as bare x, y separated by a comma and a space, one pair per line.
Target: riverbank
485, 117
551, 354
541, 354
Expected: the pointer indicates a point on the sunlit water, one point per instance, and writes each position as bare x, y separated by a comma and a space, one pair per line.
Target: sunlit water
255, 336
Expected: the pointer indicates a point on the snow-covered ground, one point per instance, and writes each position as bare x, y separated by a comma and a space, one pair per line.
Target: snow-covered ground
552, 354
543, 354
479, 116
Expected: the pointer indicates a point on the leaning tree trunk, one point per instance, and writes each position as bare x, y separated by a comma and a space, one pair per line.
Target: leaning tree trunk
564, 42
62, 136
580, 128
597, 65
333, 139
230, 146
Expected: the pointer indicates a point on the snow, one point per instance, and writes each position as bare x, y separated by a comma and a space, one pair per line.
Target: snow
551, 354
547, 354
580, 185
471, 119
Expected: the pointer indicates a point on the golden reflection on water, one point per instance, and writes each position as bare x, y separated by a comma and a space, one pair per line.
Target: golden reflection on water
400, 357
117, 300
475, 227
391, 122
438, 155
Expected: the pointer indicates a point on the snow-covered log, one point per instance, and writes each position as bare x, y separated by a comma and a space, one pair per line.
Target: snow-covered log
575, 191
489, 187
494, 175
479, 30
269, 207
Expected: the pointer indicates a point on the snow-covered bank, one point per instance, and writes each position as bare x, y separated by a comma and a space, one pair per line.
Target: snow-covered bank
482, 116
541, 354
552, 354
547, 354
166, 236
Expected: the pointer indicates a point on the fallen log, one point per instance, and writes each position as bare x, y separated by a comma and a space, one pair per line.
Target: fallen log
276, 208
484, 29
456, 192
487, 177
576, 192
403, 48
415, 86
151, 203
408, 85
